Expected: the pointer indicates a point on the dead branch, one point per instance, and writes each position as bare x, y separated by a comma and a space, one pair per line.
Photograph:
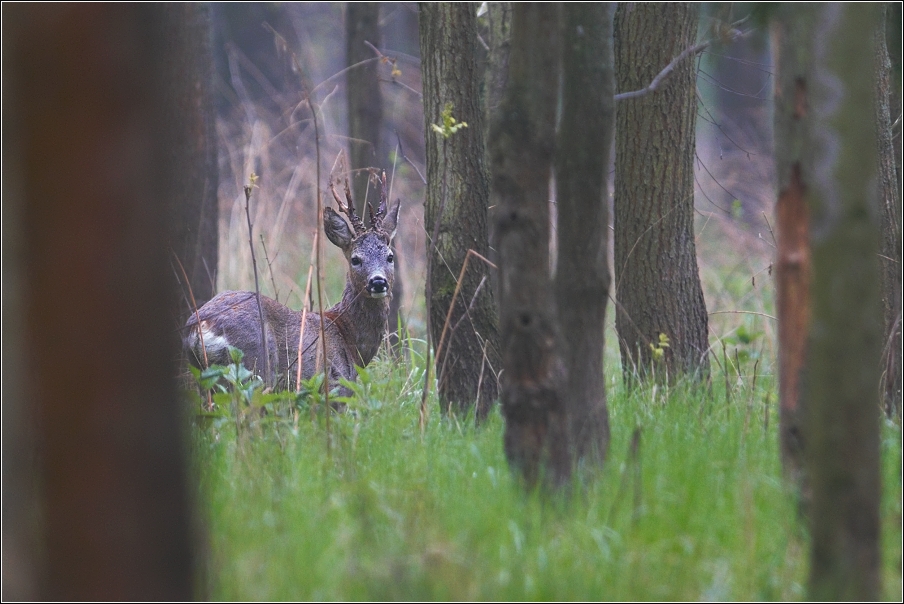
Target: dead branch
732, 35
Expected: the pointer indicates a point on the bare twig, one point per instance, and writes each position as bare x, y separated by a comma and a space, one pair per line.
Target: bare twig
715, 180
461, 274
319, 247
742, 312
405, 157
733, 35
269, 267
771, 232
304, 309
712, 80
257, 289
440, 378
712, 120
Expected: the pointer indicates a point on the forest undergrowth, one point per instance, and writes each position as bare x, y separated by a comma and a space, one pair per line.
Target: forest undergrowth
690, 505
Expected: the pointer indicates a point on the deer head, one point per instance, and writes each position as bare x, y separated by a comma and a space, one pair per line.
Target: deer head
367, 249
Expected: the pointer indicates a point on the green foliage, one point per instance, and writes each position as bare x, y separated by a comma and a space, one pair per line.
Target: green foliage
744, 340
370, 509
449, 124
659, 347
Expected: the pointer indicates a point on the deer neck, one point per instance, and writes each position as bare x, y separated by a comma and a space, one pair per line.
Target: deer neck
361, 321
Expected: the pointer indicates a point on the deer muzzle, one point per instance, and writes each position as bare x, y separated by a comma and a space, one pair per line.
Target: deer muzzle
378, 287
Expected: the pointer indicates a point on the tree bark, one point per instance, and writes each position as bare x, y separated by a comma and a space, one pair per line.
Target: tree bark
457, 198
187, 57
890, 241
499, 32
582, 271
98, 291
826, 143
521, 144
657, 282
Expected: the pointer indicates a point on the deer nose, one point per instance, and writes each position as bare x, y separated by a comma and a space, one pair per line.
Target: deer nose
377, 286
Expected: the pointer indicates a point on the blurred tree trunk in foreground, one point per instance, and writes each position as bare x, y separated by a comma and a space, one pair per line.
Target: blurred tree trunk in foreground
657, 283
826, 153
521, 146
582, 270
97, 288
194, 180
891, 214
467, 346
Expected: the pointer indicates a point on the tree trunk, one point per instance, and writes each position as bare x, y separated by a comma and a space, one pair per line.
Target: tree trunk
365, 123
499, 32
890, 241
521, 145
101, 344
658, 292
365, 99
793, 263
582, 272
825, 150
193, 186
457, 198
845, 338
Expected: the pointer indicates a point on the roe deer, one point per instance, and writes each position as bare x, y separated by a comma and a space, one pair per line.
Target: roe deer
353, 328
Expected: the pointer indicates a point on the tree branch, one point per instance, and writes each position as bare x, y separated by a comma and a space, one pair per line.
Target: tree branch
731, 36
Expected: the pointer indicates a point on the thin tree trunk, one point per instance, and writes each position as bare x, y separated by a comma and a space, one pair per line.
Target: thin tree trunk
365, 124
582, 271
521, 144
793, 263
364, 97
457, 198
658, 292
187, 57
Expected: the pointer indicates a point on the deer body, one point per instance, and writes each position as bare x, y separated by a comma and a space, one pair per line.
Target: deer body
353, 328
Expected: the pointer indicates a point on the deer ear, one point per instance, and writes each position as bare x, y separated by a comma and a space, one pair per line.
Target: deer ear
336, 229
391, 221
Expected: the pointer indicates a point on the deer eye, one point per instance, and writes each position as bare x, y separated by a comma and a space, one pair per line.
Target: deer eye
356, 261
389, 259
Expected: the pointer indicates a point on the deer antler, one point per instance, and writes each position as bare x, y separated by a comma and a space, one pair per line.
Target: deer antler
348, 208
376, 218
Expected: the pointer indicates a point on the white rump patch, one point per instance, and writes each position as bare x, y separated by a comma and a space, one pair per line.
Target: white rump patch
213, 343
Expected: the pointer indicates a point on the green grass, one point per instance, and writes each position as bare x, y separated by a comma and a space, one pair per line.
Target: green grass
385, 513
